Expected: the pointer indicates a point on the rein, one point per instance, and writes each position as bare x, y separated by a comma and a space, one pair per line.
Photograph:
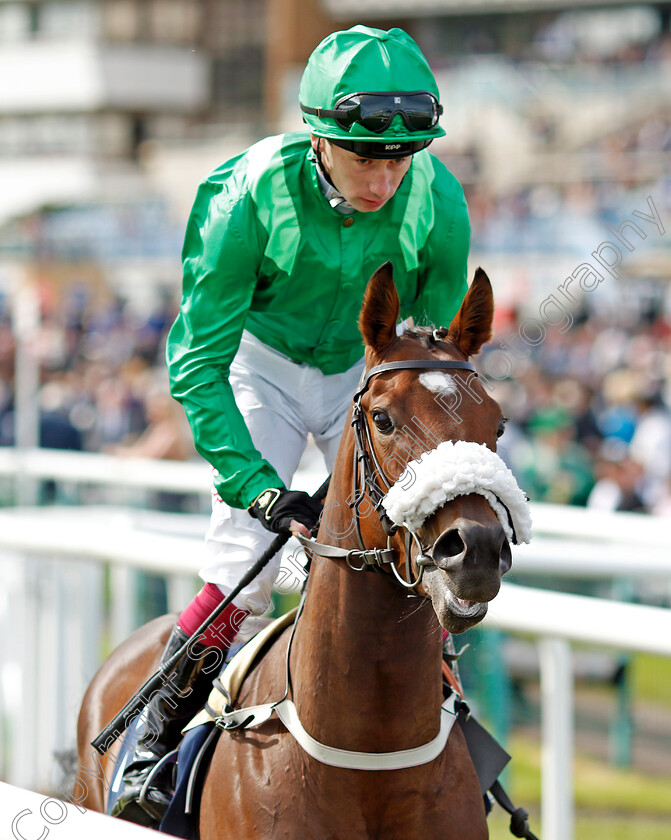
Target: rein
366, 471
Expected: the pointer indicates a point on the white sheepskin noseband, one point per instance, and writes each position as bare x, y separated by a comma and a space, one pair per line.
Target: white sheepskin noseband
457, 469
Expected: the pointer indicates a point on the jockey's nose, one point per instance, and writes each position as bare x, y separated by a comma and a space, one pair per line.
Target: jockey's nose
380, 183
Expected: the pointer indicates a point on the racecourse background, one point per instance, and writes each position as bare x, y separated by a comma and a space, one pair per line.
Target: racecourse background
588, 408
559, 126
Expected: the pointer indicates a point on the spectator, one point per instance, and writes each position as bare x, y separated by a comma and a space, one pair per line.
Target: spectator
556, 469
618, 480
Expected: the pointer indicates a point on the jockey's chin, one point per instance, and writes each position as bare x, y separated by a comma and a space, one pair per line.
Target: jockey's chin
368, 205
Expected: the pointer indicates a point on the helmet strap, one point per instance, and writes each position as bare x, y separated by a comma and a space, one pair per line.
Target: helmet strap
317, 149
331, 193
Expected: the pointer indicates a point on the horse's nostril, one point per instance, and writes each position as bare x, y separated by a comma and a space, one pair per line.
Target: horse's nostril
448, 549
505, 558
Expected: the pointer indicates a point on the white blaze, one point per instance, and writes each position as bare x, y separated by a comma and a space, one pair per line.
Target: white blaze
438, 382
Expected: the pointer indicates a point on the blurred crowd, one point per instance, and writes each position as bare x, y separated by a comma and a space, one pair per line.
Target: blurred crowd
589, 412
103, 383
587, 131
589, 409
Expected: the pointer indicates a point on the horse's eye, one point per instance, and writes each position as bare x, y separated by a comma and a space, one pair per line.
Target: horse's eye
383, 421
502, 427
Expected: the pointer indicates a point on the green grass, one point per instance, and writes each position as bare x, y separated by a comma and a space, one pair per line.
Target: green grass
610, 803
598, 786
651, 679
593, 827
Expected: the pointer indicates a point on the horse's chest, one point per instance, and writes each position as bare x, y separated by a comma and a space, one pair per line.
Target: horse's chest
393, 805
299, 799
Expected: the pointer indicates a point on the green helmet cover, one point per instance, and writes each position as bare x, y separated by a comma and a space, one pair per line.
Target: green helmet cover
365, 59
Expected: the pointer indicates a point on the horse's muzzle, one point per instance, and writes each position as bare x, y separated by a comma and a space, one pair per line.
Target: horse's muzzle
474, 556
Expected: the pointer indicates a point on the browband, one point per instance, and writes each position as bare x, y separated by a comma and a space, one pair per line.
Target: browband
410, 363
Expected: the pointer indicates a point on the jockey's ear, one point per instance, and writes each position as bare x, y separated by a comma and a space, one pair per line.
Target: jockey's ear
472, 325
380, 310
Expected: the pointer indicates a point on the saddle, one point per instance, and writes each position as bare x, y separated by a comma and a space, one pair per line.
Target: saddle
227, 685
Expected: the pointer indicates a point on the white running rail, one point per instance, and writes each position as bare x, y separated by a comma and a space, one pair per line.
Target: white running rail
555, 620
54, 563
32, 816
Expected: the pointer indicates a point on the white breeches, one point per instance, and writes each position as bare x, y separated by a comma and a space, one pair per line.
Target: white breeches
281, 402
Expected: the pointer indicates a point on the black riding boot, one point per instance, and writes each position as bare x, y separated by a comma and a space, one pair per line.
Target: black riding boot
146, 794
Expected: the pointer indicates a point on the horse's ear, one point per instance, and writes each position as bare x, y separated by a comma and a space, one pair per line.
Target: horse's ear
380, 310
472, 325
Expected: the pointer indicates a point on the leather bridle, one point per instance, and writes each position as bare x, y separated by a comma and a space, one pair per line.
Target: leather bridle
366, 475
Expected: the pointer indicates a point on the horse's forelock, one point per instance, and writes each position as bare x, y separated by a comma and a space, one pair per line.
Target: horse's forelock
424, 335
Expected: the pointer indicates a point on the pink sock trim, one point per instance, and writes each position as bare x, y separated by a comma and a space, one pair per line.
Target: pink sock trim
222, 632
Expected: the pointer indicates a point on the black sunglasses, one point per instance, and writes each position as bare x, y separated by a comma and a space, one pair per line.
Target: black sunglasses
419, 110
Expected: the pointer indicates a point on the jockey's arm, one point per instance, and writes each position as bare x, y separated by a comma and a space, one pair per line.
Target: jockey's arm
220, 276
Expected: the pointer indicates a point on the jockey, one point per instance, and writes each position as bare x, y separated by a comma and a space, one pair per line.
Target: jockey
280, 244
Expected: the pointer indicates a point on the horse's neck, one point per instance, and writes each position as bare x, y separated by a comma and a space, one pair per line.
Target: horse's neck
366, 662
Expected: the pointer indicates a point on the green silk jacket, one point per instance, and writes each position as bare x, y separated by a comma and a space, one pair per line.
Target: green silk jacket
264, 251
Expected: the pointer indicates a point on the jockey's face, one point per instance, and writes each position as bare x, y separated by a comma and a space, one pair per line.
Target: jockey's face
366, 183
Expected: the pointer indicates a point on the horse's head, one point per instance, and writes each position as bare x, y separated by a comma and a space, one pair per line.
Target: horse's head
430, 434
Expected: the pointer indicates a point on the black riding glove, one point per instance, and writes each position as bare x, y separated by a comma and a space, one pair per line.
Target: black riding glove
276, 507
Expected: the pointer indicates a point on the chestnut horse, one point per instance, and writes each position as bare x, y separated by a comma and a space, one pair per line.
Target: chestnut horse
365, 658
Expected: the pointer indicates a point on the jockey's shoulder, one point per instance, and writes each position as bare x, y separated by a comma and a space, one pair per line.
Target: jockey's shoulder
263, 159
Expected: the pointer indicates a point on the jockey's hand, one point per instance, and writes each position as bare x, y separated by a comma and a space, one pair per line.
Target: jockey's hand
280, 510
